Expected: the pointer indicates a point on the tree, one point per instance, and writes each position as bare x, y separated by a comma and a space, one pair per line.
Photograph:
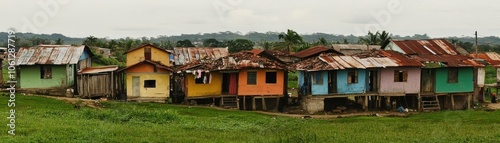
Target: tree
376, 38
90, 41
322, 41
212, 43
291, 38
59, 41
239, 45
184, 43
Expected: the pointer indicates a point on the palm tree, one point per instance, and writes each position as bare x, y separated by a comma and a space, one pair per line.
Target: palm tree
291, 38
376, 38
322, 41
90, 41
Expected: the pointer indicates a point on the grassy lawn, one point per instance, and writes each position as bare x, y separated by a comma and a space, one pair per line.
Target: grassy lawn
40, 119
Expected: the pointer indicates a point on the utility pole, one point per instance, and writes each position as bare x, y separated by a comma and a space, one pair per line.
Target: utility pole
476, 42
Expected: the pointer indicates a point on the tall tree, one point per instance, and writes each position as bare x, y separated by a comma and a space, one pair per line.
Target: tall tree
322, 41
376, 38
291, 39
239, 45
59, 41
90, 41
212, 43
184, 43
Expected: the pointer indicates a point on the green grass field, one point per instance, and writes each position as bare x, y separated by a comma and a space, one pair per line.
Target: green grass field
40, 119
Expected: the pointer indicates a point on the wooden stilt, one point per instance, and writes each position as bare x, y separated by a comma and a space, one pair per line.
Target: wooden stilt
253, 103
366, 103
468, 101
452, 102
244, 103
419, 100
278, 103
264, 104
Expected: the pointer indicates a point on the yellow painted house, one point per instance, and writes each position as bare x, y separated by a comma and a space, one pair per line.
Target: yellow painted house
148, 73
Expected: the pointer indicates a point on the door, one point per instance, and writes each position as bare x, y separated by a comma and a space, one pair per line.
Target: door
136, 84
427, 81
332, 81
372, 82
233, 84
225, 83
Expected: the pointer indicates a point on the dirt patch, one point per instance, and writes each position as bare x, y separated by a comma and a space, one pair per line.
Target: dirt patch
77, 102
493, 106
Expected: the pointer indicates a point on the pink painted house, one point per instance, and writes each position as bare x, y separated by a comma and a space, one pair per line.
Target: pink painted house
399, 81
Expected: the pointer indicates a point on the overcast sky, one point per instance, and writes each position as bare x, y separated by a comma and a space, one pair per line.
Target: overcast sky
151, 18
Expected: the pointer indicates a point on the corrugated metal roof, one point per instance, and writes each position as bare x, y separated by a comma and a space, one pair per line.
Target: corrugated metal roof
431, 46
351, 49
183, 56
314, 51
448, 60
240, 60
100, 69
491, 58
379, 59
45, 54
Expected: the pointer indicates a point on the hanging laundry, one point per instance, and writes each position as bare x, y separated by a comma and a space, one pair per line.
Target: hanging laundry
199, 74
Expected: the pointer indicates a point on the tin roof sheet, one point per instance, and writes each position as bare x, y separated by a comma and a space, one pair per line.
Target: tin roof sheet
45, 54
183, 56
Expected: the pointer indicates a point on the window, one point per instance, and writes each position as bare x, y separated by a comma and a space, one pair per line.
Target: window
270, 77
149, 83
251, 77
45, 72
400, 76
452, 75
352, 76
204, 78
317, 78
147, 53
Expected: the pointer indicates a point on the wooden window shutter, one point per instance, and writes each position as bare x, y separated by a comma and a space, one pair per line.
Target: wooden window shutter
147, 53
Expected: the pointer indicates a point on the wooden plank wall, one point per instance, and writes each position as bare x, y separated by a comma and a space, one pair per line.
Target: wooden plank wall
90, 85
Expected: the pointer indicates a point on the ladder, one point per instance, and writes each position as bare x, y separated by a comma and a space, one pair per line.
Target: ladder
430, 103
231, 102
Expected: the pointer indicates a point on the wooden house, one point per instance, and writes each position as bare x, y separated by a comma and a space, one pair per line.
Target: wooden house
365, 77
247, 75
147, 73
447, 78
51, 69
194, 78
491, 59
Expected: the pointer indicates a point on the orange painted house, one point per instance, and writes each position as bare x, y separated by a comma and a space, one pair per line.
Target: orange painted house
247, 73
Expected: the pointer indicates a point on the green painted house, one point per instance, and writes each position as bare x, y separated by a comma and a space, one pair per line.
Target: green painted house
51, 66
447, 78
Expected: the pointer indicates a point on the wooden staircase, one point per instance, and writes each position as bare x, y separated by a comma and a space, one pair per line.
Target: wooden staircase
430, 103
230, 102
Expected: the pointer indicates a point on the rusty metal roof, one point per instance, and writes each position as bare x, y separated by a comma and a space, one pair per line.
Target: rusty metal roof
99, 69
491, 58
313, 51
54, 55
448, 60
431, 47
351, 49
381, 59
183, 56
236, 61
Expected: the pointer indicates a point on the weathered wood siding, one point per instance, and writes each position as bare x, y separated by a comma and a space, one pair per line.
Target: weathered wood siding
387, 84
30, 77
196, 90
261, 88
465, 81
343, 87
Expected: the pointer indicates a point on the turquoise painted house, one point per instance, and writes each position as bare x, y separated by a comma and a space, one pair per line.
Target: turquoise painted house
51, 66
329, 74
447, 77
